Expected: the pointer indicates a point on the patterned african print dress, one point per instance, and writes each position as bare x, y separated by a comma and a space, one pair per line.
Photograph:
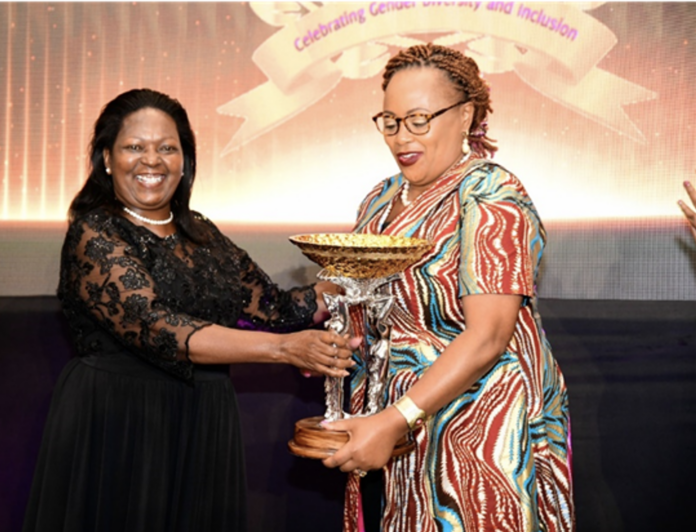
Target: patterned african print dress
497, 458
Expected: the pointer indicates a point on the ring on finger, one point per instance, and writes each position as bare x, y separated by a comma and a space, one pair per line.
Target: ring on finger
360, 473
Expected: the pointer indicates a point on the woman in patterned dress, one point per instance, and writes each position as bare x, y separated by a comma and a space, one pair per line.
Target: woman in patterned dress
471, 372
143, 431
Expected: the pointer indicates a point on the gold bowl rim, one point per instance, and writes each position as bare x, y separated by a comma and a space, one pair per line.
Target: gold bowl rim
363, 241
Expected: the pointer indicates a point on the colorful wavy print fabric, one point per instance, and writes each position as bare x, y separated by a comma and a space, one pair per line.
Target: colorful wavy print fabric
498, 458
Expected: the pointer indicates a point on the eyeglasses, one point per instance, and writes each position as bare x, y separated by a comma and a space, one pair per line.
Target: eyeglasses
416, 123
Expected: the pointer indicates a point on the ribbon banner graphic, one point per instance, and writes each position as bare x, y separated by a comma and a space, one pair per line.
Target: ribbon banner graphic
553, 47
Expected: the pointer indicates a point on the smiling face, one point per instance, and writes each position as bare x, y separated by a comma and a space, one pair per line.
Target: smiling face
146, 162
424, 158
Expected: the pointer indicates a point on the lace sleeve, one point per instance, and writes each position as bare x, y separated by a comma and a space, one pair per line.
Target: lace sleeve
102, 275
268, 307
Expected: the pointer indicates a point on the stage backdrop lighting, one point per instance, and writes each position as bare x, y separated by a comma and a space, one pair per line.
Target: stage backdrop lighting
593, 110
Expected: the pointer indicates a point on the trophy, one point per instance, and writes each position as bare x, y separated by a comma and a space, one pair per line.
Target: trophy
363, 265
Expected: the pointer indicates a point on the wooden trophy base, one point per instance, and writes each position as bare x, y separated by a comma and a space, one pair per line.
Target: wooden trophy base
314, 441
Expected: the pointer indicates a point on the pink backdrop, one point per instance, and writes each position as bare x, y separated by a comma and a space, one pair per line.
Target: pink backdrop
599, 127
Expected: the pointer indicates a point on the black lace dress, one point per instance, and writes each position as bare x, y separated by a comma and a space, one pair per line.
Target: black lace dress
137, 437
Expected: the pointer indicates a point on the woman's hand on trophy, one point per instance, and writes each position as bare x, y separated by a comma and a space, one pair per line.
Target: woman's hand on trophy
688, 212
372, 440
319, 352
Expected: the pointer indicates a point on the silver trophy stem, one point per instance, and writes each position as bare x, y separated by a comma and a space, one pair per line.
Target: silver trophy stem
333, 386
378, 353
375, 307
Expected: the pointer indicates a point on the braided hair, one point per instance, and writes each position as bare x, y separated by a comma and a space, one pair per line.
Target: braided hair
464, 74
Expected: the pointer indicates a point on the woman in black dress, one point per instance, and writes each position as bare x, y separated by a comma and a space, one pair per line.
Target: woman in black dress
143, 432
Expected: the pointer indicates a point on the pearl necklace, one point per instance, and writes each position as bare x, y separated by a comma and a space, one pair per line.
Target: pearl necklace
149, 220
407, 185
404, 194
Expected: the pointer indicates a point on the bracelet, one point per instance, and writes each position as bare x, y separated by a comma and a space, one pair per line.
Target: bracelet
414, 416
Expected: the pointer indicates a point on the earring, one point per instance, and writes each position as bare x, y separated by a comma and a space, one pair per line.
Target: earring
466, 149
108, 170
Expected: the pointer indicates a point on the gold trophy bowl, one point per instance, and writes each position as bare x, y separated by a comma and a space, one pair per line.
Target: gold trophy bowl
361, 256
359, 263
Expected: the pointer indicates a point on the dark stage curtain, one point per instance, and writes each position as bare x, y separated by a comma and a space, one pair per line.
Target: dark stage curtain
631, 373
